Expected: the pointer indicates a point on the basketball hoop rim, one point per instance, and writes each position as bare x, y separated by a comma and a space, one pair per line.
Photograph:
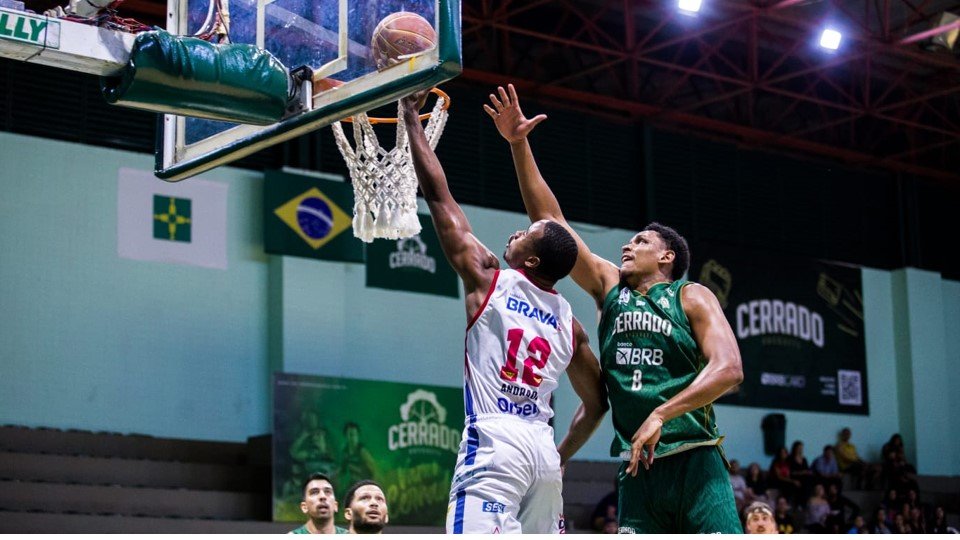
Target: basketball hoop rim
393, 120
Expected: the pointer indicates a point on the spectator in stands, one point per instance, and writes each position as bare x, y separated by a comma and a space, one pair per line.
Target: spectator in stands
320, 506
818, 510
849, 461
913, 499
366, 510
783, 517
918, 521
741, 493
898, 474
800, 470
880, 525
838, 509
825, 468
758, 519
756, 482
939, 525
895, 445
900, 525
610, 526
605, 510
891, 501
859, 526
779, 476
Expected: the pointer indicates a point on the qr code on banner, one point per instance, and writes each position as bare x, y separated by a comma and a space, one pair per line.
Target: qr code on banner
851, 391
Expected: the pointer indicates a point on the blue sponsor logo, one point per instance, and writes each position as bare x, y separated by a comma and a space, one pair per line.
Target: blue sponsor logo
494, 507
509, 407
535, 313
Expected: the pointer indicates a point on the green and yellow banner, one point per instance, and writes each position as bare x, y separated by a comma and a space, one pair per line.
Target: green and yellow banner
305, 216
403, 436
414, 264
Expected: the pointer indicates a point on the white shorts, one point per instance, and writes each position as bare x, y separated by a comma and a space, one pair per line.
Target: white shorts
507, 479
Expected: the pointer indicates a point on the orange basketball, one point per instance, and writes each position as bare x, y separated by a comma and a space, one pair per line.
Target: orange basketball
400, 34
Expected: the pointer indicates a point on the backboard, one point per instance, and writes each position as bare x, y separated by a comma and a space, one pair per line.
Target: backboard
332, 38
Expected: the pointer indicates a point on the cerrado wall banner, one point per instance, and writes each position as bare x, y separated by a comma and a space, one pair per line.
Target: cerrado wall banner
405, 437
799, 324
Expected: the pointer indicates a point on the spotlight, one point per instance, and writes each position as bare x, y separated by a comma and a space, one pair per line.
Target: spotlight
830, 39
690, 6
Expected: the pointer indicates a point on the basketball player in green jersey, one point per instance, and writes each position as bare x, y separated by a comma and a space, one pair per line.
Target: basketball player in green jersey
667, 352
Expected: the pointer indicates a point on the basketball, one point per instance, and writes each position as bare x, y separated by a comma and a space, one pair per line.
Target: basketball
400, 34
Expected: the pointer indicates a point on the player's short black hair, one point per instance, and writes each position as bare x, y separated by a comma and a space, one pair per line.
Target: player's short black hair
311, 478
353, 489
675, 243
557, 250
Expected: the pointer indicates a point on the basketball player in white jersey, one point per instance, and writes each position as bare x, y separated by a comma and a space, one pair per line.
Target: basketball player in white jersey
521, 337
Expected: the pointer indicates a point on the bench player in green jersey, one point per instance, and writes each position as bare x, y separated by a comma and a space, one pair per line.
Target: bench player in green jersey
667, 352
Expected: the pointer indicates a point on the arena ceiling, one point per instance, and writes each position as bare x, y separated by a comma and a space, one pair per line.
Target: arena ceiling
748, 71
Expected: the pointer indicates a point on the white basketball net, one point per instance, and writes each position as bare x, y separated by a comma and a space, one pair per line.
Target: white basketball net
384, 182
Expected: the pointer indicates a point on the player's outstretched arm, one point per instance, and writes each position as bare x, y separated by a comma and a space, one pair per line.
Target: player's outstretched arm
592, 273
723, 371
584, 373
472, 260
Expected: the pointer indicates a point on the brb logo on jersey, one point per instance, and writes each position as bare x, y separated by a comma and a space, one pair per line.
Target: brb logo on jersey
523, 308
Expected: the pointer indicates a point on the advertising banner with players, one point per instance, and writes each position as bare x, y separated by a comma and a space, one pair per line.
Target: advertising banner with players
403, 436
799, 324
414, 264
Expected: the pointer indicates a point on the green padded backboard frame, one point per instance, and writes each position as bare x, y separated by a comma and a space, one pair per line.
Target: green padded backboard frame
176, 161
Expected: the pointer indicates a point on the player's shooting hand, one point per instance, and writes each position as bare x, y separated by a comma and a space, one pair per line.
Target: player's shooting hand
506, 114
644, 442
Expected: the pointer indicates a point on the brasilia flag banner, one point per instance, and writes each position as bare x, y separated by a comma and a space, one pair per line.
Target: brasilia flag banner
183, 223
799, 325
414, 264
405, 437
309, 217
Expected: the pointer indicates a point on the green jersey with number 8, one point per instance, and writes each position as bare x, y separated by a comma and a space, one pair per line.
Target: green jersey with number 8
648, 355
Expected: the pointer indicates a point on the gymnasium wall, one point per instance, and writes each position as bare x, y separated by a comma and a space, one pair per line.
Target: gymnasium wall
92, 341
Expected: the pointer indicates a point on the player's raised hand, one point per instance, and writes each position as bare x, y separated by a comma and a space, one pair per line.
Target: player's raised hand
509, 119
415, 101
644, 442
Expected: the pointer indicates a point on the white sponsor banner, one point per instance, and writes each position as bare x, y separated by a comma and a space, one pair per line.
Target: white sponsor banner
181, 223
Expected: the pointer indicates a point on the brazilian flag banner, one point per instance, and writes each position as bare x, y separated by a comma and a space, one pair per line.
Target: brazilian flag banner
414, 264
799, 325
305, 216
405, 437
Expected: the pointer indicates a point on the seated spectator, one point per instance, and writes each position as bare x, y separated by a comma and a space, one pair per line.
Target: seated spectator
605, 510
818, 510
918, 521
862, 473
880, 525
779, 476
900, 525
756, 482
741, 493
897, 473
366, 510
783, 517
838, 509
859, 526
610, 526
800, 470
758, 519
913, 499
895, 445
825, 469
939, 525
891, 501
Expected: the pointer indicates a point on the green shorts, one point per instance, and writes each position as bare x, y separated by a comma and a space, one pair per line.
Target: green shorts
687, 492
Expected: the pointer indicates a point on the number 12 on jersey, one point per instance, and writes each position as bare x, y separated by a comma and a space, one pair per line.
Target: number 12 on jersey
539, 350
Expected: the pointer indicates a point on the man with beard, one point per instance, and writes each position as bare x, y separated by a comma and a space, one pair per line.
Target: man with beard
366, 509
320, 506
